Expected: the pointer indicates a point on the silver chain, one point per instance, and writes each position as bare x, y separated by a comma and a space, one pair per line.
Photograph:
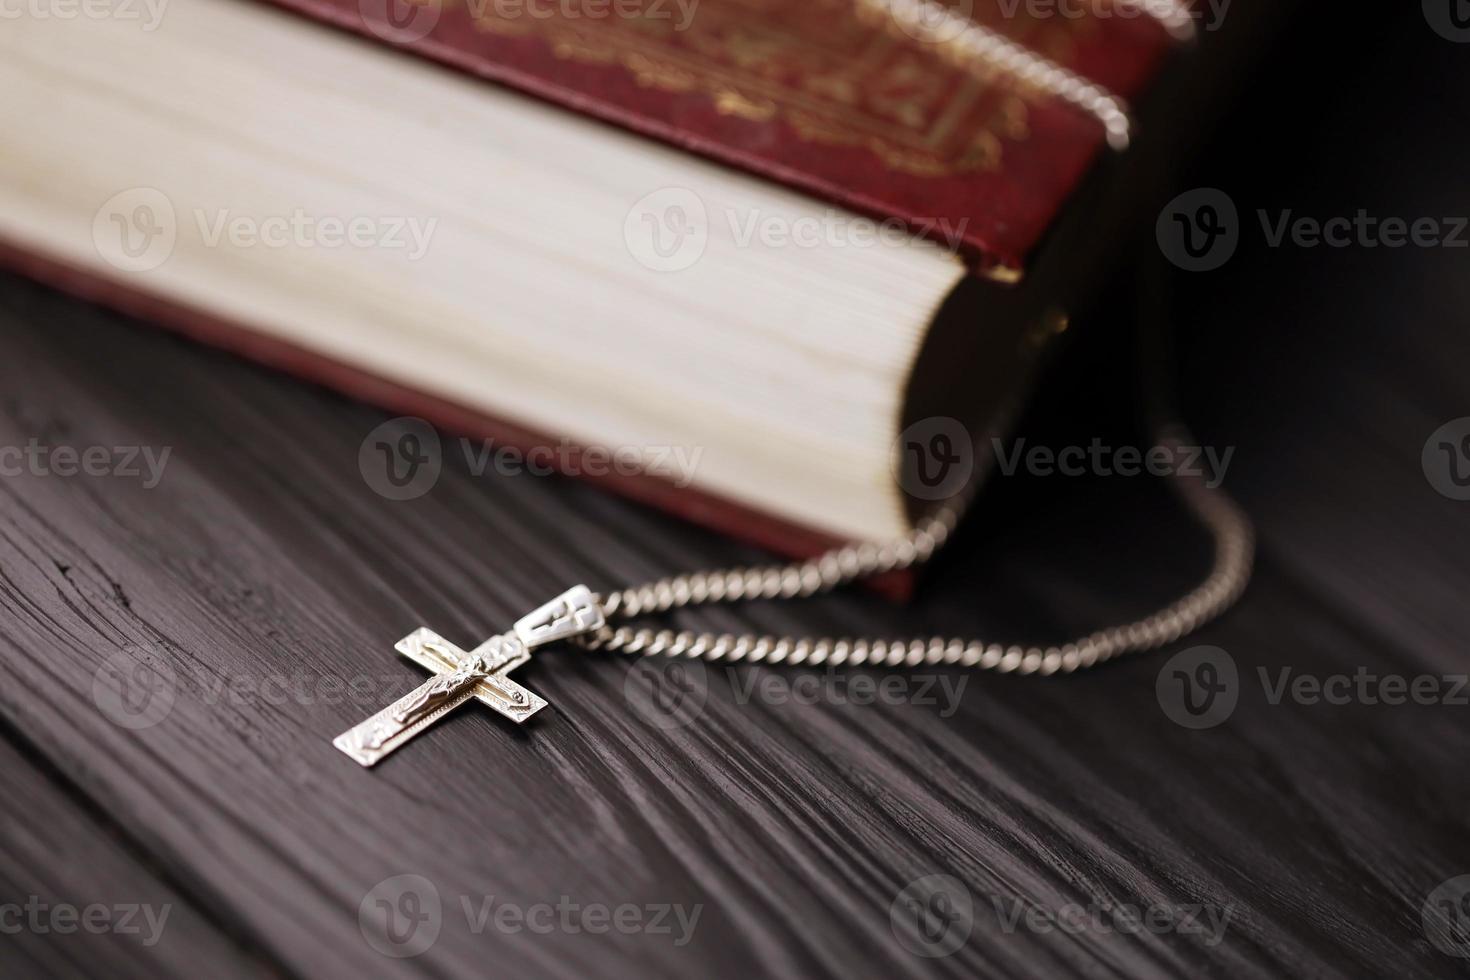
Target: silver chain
981, 51
1230, 531
985, 53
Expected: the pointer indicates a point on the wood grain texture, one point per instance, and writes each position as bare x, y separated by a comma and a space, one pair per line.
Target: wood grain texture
60, 855
262, 572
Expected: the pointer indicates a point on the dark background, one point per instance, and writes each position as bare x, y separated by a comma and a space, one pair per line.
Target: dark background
1320, 829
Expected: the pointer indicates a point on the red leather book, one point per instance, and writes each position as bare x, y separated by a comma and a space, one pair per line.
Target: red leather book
781, 108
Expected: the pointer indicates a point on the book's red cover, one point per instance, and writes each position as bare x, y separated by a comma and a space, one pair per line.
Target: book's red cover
802, 92
807, 93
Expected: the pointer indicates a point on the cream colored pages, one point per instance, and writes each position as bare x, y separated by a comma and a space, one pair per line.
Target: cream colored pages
461, 239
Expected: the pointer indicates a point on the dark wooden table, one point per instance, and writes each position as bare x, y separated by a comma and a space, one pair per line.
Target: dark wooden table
262, 572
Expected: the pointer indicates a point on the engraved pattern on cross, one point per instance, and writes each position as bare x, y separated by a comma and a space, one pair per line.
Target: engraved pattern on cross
479, 674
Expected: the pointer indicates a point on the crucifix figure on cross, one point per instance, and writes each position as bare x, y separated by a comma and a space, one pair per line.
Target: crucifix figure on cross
460, 675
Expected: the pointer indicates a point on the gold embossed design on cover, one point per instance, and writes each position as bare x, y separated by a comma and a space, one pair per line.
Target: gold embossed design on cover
813, 64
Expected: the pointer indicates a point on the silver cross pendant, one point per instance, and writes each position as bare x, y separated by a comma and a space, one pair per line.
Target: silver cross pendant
460, 675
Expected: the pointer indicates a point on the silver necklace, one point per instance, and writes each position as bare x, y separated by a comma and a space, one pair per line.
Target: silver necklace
591, 621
